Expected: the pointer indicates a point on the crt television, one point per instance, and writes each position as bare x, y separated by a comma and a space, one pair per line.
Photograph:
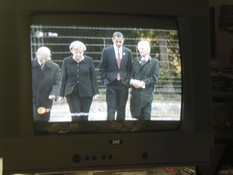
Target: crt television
179, 132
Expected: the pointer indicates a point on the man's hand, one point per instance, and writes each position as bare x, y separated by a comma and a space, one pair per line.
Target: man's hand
137, 83
61, 99
95, 96
52, 97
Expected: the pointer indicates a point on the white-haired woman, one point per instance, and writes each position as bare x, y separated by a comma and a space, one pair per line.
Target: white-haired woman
79, 82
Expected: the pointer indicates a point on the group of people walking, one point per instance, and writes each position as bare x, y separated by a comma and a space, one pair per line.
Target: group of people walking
77, 81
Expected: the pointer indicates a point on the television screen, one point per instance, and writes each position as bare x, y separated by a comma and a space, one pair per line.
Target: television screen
163, 94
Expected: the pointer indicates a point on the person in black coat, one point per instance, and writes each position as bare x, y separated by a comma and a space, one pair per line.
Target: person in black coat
79, 82
115, 71
144, 76
46, 83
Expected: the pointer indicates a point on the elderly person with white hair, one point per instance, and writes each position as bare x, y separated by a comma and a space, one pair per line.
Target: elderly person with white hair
46, 83
79, 82
145, 74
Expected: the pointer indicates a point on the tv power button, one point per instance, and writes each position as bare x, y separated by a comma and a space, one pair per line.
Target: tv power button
76, 158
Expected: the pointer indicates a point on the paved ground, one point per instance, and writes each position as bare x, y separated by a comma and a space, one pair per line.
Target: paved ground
162, 110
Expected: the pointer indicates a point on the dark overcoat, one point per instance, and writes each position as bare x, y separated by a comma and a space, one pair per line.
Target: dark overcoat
147, 73
82, 74
45, 82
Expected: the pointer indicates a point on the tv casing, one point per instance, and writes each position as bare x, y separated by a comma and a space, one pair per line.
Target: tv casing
24, 151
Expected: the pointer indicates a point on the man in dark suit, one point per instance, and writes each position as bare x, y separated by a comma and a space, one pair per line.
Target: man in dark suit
115, 72
46, 83
144, 76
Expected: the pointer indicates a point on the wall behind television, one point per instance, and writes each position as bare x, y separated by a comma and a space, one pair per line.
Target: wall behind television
224, 39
